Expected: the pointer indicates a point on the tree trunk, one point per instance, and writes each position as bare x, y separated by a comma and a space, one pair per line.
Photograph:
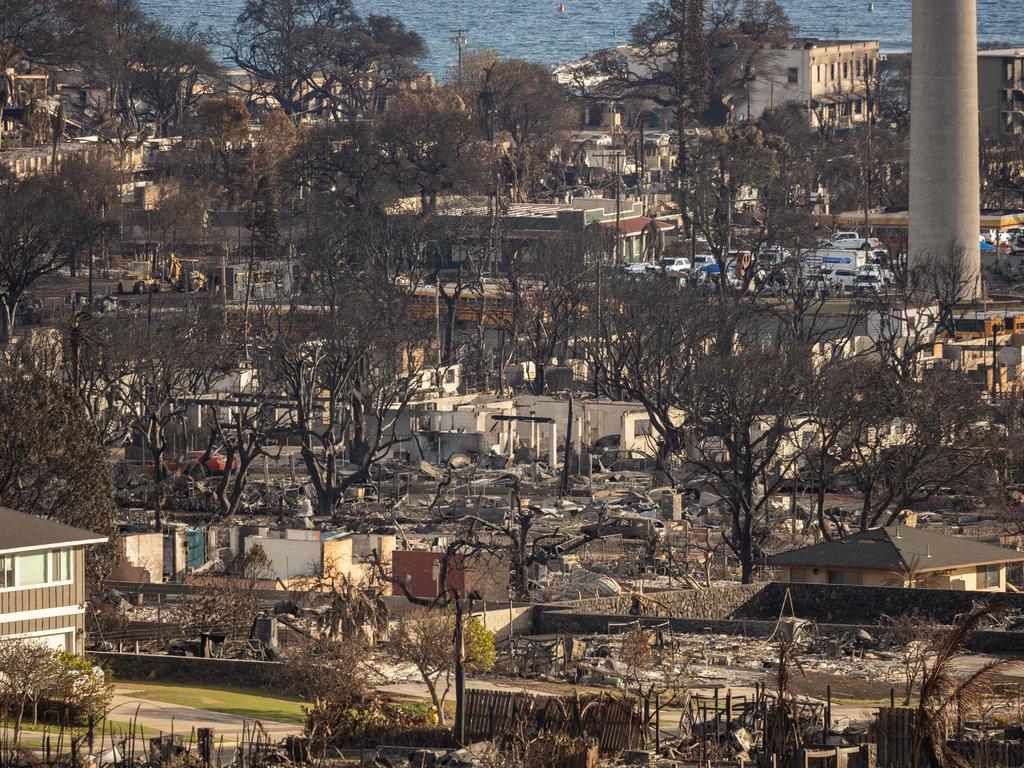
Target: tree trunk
436, 700
10, 311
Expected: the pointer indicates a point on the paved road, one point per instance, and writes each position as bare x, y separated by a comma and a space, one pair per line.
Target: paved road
168, 718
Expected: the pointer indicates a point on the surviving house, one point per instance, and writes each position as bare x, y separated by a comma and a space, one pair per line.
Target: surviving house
900, 556
42, 580
831, 78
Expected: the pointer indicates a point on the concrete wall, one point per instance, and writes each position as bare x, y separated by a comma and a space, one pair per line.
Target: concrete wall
338, 557
485, 573
289, 558
144, 550
497, 618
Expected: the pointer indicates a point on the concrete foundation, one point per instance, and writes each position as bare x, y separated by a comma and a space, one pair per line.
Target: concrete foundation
944, 178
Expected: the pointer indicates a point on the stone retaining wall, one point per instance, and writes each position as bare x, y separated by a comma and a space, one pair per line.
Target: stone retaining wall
715, 603
840, 604
571, 623
145, 666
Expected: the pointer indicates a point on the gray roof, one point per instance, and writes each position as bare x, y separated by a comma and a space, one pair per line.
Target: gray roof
896, 548
20, 532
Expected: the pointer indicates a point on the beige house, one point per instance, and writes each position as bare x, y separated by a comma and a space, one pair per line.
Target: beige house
900, 556
42, 580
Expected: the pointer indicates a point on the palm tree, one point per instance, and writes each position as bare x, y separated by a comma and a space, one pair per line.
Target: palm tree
943, 695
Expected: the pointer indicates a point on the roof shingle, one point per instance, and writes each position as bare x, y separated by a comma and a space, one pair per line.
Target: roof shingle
19, 532
896, 548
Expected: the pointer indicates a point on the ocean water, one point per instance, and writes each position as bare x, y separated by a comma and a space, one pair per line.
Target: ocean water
541, 30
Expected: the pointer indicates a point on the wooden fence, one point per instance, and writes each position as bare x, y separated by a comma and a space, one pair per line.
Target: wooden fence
893, 731
615, 724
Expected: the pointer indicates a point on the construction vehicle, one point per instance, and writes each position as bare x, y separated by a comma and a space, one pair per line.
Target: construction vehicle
139, 279
184, 275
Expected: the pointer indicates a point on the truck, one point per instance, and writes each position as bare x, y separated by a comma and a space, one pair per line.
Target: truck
842, 258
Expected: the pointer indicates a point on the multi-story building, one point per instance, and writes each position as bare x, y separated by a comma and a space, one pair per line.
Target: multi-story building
42, 580
1001, 91
833, 79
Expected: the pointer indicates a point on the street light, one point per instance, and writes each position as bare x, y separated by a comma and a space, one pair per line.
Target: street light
460, 40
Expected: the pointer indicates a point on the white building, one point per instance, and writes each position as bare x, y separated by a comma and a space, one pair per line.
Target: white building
832, 79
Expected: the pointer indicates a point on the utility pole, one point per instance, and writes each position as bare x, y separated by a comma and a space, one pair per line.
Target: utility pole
867, 159
460, 40
618, 156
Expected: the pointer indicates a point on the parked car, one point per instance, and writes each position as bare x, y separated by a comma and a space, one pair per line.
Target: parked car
635, 528
639, 268
841, 278
215, 465
675, 265
839, 239
866, 284
702, 260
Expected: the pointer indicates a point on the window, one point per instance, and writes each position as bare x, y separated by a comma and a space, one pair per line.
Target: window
819, 73
642, 428
846, 70
36, 569
845, 577
988, 576
32, 571
858, 68
831, 72
793, 75
61, 568
798, 576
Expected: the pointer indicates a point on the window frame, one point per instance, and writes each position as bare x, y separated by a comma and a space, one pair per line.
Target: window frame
986, 573
49, 554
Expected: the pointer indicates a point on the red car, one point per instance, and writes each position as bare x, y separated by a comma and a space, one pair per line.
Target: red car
215, 465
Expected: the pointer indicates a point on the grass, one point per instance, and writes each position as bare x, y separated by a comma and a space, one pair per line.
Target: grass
251, 703
33, 734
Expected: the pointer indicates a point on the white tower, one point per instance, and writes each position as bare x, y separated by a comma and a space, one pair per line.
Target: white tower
945, 199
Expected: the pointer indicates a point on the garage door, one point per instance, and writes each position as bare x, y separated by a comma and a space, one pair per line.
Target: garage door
58, 641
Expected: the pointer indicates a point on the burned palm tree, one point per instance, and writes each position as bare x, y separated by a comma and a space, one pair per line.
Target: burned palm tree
945, 697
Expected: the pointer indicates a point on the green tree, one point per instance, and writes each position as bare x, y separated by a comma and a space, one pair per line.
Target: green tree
480, 653
52, 462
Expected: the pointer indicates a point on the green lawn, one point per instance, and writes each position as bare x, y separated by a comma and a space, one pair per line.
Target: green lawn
33, 733
252, 703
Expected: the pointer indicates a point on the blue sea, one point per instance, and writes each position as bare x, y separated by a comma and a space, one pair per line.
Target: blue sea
555, 31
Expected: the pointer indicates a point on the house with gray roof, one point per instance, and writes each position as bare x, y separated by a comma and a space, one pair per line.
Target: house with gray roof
42, 580
900, 556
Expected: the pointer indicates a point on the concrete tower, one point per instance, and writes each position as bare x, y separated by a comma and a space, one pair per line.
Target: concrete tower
944, 180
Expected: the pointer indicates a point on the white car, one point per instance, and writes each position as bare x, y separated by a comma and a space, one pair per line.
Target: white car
840, 239
840, 277
638, 268
884, 275
676, 265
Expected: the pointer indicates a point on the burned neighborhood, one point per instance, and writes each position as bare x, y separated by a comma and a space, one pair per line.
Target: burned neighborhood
364, 402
